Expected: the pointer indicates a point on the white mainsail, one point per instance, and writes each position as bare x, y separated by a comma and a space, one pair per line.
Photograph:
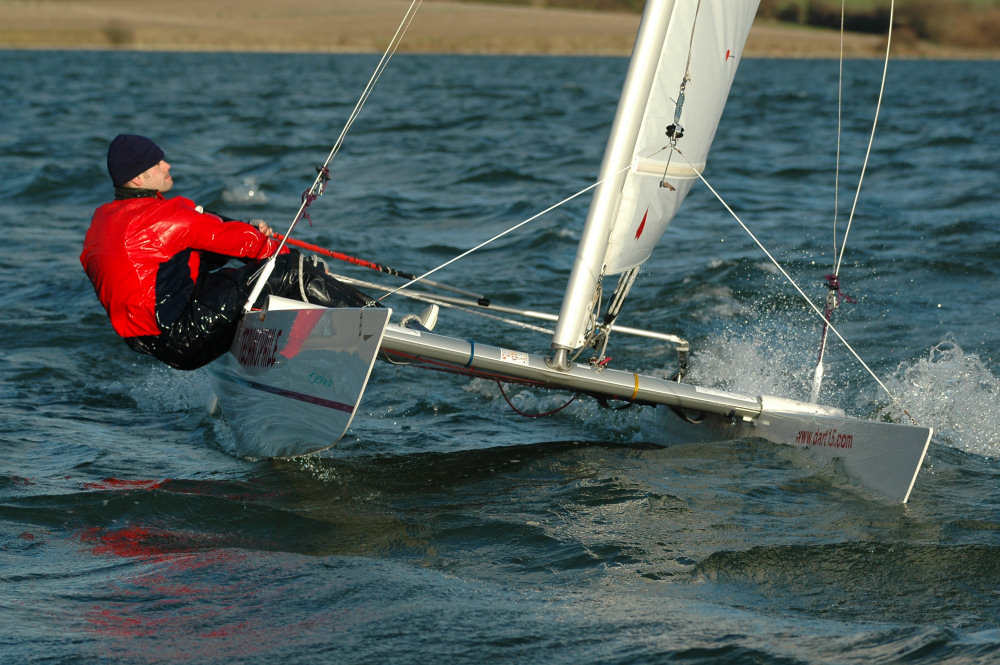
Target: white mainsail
685, 57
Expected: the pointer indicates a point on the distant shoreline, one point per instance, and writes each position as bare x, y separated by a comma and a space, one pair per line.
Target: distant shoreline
349, 26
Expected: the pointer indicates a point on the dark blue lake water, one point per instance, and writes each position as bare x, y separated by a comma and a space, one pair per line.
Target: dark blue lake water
445, 528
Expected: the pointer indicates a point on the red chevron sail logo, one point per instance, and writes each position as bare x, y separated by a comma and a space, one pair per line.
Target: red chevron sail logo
642, 224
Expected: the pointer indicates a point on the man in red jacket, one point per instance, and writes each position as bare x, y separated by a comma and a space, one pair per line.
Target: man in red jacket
159, 265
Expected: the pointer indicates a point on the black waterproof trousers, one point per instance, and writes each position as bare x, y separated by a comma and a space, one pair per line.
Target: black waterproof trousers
205, 328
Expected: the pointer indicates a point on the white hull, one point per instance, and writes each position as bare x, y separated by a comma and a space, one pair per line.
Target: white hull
883, 457
294, 377
286, 395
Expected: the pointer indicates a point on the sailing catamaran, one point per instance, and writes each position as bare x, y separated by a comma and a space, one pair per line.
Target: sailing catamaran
296, 372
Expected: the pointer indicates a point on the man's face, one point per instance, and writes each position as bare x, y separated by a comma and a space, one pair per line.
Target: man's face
157, 177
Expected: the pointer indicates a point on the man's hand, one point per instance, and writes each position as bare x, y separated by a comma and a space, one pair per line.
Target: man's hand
262, 227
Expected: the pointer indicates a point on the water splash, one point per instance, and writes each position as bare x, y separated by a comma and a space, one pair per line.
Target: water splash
953, 391
168, 390
776, 363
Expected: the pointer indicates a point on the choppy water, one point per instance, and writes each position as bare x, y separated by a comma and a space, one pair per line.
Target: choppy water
445, 528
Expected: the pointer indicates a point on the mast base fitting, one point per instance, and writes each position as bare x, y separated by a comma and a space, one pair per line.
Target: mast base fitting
559, 360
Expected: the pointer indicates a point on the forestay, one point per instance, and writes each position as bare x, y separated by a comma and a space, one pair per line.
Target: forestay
682, 67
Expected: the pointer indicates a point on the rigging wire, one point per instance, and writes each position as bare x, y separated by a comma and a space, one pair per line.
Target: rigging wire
675, 131
833, 280
323, 173
397, 38
430, 299
500, 235
796, 286
840, 132
871, 138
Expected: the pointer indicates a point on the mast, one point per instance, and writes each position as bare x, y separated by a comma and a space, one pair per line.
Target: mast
587, 268
696, 42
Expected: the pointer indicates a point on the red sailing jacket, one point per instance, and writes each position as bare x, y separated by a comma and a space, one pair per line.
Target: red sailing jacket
143, 256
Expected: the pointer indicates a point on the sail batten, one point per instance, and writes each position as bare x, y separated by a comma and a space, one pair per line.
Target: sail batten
682, 67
